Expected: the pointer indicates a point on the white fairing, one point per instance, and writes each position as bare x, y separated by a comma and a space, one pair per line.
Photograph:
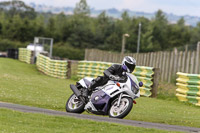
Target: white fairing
133, 78
82, 82
136, 81
111, 86
90, 105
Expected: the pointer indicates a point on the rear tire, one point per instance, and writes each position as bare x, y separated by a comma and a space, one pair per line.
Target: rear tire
124, 108
74, 105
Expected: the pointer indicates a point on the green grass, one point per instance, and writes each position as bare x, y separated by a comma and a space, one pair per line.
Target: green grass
13, 121
21, 83
167, 91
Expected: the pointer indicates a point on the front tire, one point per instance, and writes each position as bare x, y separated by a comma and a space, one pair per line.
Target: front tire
124, 108
74, 105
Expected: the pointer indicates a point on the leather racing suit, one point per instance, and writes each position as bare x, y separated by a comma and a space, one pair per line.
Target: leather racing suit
115, 69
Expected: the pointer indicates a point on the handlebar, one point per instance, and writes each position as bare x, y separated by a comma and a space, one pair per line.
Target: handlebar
120, 79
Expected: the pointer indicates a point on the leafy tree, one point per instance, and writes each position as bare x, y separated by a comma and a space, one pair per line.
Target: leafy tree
39, 25
17, 7
113, 42
26, 31
1, 28
103, 29
11, 28
82, 32
51, 28
82, 8
133, 31
195, 34
157, 33
178, 34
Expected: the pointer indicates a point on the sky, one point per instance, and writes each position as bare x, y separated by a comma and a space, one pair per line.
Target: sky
178, 7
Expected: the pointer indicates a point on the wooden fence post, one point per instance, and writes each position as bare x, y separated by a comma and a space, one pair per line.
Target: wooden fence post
197, 67
175, 61
192, 62
33, 58
163, 66
186, 56
199, 55
180, 55
68, 69
171, 66
188, 61
167, 65
86, 53
156, 78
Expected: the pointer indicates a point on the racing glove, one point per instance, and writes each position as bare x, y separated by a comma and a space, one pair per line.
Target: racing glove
113, 77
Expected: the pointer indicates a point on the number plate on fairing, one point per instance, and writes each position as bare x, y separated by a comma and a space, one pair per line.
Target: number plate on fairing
111, 90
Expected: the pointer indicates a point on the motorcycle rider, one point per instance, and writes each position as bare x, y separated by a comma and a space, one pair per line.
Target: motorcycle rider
114, 72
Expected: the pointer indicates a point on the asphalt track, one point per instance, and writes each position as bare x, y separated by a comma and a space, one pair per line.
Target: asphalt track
28, 109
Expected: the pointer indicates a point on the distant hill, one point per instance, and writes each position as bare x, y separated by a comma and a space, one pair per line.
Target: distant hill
172, 18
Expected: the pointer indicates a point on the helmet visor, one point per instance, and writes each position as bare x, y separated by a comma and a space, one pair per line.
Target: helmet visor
131, 67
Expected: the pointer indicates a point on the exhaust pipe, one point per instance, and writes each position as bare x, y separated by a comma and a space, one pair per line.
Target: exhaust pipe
77, 92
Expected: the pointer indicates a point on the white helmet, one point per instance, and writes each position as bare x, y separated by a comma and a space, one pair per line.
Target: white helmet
128, 64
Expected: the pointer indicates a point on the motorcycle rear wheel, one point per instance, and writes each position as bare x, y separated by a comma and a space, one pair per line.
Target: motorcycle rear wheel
74, 105
124, 108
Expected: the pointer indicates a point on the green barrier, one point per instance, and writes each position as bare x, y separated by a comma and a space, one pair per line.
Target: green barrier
25, 55
54, 68
188, 88
94, 69
145, 75
144, 71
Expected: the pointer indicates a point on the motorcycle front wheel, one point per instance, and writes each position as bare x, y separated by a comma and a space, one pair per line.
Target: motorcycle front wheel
122, 110
74, 105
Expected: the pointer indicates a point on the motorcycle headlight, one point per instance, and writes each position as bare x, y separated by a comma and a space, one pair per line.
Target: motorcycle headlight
134, 89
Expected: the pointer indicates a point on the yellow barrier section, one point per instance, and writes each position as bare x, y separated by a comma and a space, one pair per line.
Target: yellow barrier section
94, 69
54, 68
25, 55
188, 88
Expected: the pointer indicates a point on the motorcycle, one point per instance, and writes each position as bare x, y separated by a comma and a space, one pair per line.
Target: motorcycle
115, 98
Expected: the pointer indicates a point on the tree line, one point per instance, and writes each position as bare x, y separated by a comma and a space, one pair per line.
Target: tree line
72, 33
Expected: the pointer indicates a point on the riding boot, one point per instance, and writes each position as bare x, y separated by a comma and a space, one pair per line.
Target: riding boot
91, 86
85, 93
100, 80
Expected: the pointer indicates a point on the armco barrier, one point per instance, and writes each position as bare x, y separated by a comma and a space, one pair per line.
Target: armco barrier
188, 88
94, 69
26, 55
54, 68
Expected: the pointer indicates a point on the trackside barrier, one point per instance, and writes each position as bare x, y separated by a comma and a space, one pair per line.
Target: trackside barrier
188, 88
94, 69
26, 55
54, 68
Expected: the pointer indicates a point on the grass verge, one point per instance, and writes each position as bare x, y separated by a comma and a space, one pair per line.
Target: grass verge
21, 83
13, 121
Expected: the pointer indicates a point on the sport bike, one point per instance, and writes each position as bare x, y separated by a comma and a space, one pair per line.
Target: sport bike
115, 98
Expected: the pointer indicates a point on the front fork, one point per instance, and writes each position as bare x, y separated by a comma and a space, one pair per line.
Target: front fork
119, 99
